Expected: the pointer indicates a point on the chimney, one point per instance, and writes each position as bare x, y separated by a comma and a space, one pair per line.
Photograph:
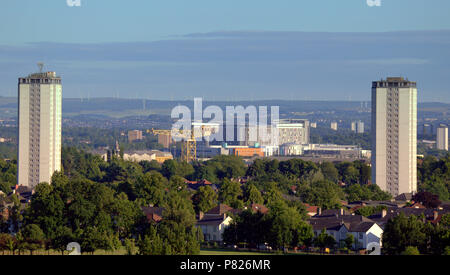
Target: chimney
383, 213
200, 215
15, 188
319, 211
342, 212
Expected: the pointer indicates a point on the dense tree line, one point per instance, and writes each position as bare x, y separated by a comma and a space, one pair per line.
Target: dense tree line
433, 175
8, 150
98, 203
413, 235
317, 184
8, 171
282, 227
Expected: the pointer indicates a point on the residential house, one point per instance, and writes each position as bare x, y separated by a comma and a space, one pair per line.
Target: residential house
153, 214
214, 222
195, 185
255, 207
430, 215
338, 223
24, 193
312, 210
404, 197
416, 205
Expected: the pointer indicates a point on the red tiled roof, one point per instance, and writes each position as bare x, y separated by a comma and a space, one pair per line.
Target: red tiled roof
153, 213
311, 208
259, 208
353, 209
203, 181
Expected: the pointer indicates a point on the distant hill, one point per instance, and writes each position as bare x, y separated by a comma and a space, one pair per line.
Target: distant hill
123, 107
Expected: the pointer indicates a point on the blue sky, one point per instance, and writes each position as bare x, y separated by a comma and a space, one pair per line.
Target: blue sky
228, 49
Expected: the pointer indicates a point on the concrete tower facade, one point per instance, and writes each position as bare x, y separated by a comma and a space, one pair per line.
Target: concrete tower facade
442, 137
394, 135
40, 113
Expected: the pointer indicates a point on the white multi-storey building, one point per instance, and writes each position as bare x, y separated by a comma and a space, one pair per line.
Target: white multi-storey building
293, 131
334, 126
288, 131
40, 103
394, 135
360, 127
442, 137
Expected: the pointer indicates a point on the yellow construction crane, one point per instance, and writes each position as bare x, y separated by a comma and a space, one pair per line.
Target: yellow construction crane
188, 147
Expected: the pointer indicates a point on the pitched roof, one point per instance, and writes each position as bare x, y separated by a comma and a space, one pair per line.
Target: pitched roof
404, 197
219, 210
153, 213
205, 182
311, 208
214, 221
334, 212
354, 223
23, 189
377, 203
394, 212
259, 208
195, 185
362, 227
417, 205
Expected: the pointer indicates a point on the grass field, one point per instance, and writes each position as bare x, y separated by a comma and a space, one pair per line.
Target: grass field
211, 251
122, 251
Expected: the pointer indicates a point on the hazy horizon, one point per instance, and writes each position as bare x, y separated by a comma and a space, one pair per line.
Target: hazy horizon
220, 50
231, 100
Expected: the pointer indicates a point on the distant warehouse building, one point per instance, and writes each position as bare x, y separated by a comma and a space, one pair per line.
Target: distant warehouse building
247, 152
137, 156
291, 149
333, 150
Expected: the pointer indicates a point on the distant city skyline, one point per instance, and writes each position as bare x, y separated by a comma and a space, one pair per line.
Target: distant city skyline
222, 50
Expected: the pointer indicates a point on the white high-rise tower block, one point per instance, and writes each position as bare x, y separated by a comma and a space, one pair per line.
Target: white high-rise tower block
40, 112
442, 137
394, 135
